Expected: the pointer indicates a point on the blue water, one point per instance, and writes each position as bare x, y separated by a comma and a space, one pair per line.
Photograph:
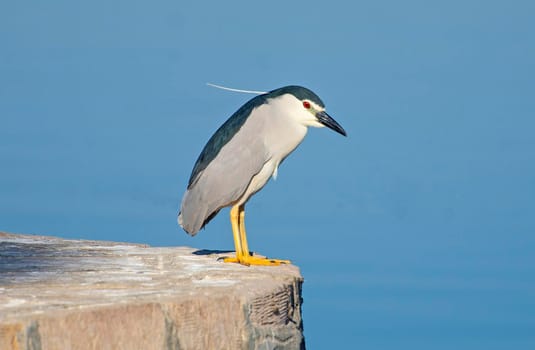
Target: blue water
415, 232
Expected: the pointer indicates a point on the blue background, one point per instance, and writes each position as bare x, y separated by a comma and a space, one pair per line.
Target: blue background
415, 232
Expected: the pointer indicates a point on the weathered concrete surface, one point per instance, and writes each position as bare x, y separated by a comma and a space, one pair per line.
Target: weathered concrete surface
73, 294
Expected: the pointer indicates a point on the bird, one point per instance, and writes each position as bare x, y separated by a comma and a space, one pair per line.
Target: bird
243, 154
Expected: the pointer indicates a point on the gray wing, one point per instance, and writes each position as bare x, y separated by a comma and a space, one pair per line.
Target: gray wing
225, 178
223, 135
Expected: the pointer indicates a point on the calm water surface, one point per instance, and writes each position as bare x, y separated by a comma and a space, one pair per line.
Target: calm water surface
415, 232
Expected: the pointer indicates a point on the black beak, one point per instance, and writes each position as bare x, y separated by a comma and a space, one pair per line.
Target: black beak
329, 122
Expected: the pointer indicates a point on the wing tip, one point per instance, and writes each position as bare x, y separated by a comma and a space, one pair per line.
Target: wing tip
181, 223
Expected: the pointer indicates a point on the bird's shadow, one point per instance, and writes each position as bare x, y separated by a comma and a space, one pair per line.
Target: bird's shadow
210, 252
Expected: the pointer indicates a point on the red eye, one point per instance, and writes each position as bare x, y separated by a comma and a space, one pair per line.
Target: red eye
306, 104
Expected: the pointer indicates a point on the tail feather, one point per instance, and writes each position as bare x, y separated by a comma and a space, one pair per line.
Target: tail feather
194, 213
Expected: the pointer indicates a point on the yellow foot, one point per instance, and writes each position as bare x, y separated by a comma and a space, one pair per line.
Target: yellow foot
255, 260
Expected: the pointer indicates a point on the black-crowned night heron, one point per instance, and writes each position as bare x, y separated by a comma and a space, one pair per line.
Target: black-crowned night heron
243, 154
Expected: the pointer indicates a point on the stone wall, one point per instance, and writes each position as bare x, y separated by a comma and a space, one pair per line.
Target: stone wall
75, 294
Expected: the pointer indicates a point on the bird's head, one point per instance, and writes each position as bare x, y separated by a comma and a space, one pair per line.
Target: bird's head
304, 106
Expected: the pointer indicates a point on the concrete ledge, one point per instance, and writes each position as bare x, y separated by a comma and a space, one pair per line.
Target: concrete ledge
74, 294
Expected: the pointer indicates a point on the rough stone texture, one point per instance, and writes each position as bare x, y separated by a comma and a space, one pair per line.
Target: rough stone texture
74, 294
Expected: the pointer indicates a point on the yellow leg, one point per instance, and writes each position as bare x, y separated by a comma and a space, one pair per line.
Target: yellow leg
243, 256
243, 236
234, 222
